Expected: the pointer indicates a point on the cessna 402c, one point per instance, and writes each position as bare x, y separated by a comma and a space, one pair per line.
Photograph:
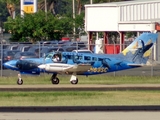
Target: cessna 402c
71, 63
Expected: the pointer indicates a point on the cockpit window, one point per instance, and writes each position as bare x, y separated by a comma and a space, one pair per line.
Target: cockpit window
49, 55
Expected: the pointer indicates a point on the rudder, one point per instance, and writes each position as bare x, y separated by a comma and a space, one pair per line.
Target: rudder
140, 49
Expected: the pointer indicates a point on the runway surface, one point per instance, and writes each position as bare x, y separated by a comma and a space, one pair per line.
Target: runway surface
79, 87
125, 115
84, 112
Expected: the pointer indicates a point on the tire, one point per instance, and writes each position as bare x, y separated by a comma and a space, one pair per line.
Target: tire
55, 81
19, 81
74, 81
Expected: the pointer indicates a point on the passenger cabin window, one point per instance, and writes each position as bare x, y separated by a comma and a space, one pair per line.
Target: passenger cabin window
94, 59
77, 57
87, 58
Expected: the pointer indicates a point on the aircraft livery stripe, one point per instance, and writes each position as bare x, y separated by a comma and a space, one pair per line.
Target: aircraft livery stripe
58, 66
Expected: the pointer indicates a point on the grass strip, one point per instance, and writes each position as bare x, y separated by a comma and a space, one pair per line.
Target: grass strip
95, 79
80, 98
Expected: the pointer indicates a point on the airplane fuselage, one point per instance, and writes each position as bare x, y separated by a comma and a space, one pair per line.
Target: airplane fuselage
99, 64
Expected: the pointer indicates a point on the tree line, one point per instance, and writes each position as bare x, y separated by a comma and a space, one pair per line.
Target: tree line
51, 25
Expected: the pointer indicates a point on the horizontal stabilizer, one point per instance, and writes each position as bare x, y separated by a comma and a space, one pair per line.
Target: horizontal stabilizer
136, 65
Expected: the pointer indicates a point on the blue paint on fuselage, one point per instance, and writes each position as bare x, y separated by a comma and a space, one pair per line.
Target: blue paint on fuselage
100, 63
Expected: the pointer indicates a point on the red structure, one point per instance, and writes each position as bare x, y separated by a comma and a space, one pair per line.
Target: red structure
109, 48
65, 38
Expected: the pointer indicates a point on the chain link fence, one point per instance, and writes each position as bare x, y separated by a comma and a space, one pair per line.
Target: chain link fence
152, 69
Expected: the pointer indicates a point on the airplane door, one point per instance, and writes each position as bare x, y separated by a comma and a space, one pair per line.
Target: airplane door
97, 63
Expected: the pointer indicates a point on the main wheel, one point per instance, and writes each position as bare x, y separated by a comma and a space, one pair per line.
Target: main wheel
55, 80
19, 81
74, 81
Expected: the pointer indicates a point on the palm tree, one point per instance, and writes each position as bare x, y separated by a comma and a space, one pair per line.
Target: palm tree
11, 6
50, 5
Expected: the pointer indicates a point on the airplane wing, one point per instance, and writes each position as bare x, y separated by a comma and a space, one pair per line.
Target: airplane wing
66, 68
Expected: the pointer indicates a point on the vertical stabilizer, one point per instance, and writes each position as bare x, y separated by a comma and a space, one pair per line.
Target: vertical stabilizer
140, 49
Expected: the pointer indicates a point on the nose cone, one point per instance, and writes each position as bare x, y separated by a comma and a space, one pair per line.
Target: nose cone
10, 65
42, 66
6, 64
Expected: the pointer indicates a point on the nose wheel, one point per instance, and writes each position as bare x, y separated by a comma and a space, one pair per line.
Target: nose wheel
19, 81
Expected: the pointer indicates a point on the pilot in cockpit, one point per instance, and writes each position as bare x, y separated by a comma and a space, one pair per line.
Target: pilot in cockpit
56, 58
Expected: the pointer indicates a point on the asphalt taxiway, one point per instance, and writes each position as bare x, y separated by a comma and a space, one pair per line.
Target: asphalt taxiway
79, 87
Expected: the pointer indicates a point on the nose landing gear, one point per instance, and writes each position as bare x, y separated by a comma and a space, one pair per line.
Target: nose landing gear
19, 81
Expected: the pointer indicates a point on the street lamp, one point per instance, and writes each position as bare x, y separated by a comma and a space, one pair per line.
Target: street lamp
91, 1
1, 37
74, 29
45, 3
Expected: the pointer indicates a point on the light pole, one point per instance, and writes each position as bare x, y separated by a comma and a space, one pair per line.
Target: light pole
91, 1
74, 29
1, 36
45, 3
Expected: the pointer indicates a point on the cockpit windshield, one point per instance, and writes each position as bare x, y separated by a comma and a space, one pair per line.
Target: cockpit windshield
49, 55
52, 55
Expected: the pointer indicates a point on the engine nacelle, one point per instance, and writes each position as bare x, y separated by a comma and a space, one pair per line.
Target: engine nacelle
56, 67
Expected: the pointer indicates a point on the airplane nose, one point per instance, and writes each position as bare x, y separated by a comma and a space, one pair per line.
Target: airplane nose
42, 66
10, 65
5, 64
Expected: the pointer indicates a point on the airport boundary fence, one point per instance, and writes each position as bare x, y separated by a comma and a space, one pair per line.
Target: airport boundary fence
152, 69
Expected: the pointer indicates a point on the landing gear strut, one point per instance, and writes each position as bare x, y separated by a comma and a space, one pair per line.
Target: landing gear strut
74, 79
54, 79
19, 81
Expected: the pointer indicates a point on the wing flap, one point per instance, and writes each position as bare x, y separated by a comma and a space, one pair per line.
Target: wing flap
79, 68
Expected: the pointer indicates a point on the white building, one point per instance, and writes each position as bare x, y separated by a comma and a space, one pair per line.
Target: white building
138, 15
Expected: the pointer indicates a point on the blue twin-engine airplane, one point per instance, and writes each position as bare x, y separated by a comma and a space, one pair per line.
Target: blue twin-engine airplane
71, 63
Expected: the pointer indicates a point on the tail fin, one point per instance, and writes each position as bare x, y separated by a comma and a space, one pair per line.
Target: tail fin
140, 49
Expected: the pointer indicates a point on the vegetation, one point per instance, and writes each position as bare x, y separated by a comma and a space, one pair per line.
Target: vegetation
97, 79
79, 98
39, 26
57, 9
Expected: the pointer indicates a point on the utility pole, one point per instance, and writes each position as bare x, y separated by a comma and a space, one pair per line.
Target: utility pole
1, 38
74, 29
45, 3
91, 2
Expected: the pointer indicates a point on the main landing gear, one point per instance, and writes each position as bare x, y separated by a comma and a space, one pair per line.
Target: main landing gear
74, 79
55, 79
